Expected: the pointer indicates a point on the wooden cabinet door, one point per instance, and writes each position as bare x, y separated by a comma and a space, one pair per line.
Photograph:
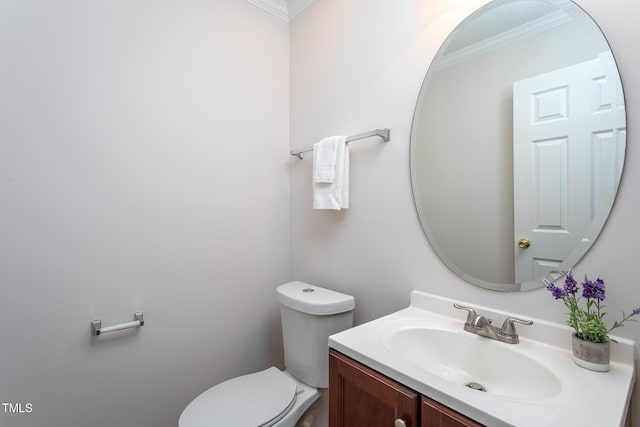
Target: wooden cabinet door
362, 397
435, 414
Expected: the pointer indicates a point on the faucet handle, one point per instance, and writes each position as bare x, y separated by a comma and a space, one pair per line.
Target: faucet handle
471, 317
508, 327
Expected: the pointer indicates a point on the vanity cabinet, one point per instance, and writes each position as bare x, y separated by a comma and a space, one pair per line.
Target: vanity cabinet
362, 397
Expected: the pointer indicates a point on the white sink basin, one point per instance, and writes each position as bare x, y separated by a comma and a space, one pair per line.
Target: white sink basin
465, 358
531, 384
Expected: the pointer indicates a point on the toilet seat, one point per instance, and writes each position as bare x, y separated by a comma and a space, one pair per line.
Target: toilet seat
260, 399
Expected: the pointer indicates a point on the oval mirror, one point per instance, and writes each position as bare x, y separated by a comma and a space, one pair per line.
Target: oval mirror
518, 143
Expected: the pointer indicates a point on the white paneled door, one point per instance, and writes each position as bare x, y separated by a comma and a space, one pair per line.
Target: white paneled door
569, 134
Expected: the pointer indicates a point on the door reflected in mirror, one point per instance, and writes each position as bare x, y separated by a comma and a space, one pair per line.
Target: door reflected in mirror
518, 143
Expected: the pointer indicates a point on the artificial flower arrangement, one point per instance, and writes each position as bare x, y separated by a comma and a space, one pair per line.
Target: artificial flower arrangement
588, 322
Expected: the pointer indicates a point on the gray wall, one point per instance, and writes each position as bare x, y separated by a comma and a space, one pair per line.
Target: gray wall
143, 166
357, 65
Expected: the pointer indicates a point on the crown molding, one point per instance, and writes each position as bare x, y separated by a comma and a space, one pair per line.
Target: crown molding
286, 10
296, 7
277, 8
521, 32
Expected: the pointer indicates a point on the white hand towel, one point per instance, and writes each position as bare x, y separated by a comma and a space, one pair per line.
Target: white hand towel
325, 154
335, 194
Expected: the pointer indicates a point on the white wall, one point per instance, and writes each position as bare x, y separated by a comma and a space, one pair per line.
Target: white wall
143, 166
357, 65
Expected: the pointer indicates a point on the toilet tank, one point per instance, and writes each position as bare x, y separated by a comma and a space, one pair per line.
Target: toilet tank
309, 315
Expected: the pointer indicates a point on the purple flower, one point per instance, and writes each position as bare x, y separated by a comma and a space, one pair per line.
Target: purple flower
557, 292
587, 319
593, 290
570, 285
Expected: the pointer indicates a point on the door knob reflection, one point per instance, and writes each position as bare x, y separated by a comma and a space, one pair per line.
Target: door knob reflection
524, 243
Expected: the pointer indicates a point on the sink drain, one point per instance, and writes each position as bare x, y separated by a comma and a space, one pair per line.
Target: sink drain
475, 386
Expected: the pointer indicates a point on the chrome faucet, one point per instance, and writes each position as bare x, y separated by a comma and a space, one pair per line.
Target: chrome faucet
480, 325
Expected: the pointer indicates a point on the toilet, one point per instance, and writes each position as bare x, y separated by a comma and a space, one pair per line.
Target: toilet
273, 397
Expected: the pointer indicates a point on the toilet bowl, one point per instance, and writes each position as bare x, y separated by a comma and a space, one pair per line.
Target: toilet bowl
273, 397
263, 399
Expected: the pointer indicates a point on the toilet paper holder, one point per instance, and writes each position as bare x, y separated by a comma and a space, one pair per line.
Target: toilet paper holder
97, 329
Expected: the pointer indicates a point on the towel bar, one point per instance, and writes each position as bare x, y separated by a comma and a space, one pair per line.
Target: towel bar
97, 329
385, 134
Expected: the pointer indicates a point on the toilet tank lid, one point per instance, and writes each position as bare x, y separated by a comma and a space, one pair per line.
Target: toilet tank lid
313, 299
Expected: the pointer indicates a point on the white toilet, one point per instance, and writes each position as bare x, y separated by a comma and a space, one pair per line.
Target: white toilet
272, 397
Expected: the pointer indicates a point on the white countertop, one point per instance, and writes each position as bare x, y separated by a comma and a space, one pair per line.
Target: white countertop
585, 398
